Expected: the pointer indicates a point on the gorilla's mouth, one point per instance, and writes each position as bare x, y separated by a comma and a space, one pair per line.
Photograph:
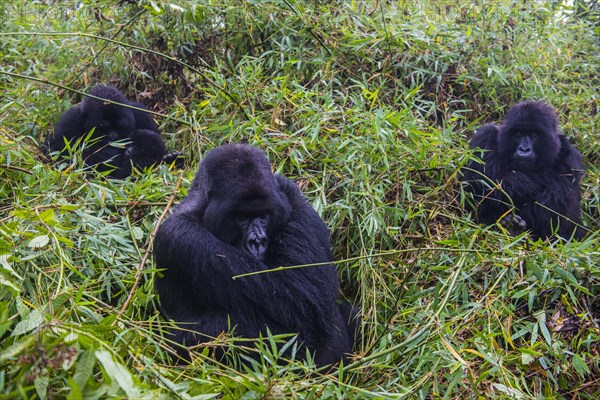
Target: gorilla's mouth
524, 164
257, 247
256, 237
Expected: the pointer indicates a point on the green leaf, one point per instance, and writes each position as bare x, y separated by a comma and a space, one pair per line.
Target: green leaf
527, 359
41, 385
137, 233
34, 319
541, 318
512, 392
580, 366
75, 393
39, 241
5, 323
9, 284
46, 215
59, 300
118, 373
84, 369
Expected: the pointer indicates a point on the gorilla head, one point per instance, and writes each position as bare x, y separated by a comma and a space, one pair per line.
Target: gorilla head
248, 207
529, 139
111, 121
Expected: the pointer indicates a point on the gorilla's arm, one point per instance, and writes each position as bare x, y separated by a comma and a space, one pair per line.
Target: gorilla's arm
143, 120
483, 143
146, 148
201, 270
560, 195
195, 258
481, 178
484, 137
570, 162
69, 126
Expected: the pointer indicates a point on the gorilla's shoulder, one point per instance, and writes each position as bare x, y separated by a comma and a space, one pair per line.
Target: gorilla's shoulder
287, 186
68, 126
484, 137
566, 146
72, 115
569, 156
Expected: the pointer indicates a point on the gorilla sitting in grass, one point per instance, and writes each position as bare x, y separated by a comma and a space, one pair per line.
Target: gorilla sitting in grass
114, 137
530, 176
240, 218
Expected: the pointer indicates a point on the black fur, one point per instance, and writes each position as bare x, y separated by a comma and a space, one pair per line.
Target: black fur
122, 136
535, 166
200, 247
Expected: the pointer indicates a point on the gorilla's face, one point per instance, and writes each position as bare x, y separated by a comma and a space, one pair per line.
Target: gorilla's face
246, 223
530, 141
244, 205
253, 236
111, 122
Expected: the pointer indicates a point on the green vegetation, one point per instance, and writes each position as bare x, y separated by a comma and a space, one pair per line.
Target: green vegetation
369, 107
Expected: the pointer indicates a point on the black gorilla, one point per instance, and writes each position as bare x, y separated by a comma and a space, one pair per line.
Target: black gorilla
121, 136
237, 218
530, 176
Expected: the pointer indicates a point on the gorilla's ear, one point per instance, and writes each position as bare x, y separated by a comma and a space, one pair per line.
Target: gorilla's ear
193, 205
196, 201
286, 190
85, 108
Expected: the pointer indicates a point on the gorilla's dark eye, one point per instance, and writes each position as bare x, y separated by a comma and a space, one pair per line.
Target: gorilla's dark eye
242, 217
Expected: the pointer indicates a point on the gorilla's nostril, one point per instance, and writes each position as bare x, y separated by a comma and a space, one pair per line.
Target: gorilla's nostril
524, 150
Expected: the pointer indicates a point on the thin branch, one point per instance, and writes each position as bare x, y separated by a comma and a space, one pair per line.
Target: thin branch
138, 275
58, 85
11, 167
382, 254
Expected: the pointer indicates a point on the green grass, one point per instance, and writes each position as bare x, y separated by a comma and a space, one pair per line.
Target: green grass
368, 106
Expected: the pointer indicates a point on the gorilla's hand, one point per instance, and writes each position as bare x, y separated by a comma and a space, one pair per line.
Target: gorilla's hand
514, 224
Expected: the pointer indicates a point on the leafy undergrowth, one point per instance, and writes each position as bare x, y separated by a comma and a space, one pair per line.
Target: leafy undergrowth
368, 106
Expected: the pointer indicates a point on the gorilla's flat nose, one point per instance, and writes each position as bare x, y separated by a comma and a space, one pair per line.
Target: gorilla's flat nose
524, 151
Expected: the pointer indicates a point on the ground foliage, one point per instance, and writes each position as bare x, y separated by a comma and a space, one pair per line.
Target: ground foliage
368, 106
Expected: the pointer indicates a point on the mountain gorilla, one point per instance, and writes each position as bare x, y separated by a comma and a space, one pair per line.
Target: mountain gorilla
530, 176
238, 218
121, 136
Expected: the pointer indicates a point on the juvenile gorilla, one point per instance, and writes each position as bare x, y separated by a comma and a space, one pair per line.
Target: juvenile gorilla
237, 218
141, 144
530, 172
